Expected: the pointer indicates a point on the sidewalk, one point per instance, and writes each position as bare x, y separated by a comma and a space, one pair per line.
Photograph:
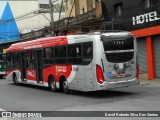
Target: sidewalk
155, 82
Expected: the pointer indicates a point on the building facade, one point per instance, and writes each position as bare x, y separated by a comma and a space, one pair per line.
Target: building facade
86, 14
18, 17
142, 18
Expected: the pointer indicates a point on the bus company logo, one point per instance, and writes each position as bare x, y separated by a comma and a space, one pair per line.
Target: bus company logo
6, 114
20, 114
61, 69
30, 73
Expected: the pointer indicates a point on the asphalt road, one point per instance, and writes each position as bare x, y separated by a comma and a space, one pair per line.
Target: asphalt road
33, 98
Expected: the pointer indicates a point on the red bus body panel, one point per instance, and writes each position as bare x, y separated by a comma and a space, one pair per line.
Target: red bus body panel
39, 43
31, 75
57, 71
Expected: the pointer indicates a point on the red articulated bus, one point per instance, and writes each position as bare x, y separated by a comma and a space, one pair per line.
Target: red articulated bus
90, 62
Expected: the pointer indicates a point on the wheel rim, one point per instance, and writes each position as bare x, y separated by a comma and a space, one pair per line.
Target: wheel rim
65, 85
15, 79
53, 84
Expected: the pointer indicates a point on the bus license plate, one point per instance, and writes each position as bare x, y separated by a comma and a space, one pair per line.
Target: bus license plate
120, 74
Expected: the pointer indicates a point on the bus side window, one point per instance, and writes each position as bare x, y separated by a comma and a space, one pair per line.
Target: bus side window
49, 56
17, 60
48, 53
74, 54
30, 60
87, 53
87, 50
61, 55
13, 62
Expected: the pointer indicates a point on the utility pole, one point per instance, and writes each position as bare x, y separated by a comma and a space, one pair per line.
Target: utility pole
51, 16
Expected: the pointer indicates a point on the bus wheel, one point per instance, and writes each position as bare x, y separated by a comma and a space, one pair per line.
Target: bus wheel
15, 79
52, 84
65, 86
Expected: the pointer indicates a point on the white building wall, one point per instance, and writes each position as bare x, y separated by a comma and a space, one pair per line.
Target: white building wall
20, 8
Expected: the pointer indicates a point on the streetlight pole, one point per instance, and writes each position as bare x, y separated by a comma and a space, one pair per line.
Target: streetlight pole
51, 16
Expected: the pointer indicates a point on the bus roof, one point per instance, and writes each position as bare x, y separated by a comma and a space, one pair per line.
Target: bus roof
39, 43
55, 41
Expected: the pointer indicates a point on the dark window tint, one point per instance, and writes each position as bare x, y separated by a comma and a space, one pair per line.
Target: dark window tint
148, 3
87, 53
118, 9
74, 56
30, 59
61, 55
112, 44
119, 57
74, 50
87, 50
2, 56
17, 60
8, 60
3, 60
49, 55
61, 52
118, 43
13, 60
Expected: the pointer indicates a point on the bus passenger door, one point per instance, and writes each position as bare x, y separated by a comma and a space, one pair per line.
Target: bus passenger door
23, 65
39, 67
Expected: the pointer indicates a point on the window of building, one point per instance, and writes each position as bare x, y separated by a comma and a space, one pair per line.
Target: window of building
44, 6
149, 3
118, 9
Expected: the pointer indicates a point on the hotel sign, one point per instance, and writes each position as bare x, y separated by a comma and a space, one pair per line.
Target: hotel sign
145, 18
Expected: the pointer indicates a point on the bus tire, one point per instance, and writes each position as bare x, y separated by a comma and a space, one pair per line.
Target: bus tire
65, 86
52, 84
15, 79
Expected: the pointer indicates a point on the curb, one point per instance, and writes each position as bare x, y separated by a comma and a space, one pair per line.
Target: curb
155, 82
